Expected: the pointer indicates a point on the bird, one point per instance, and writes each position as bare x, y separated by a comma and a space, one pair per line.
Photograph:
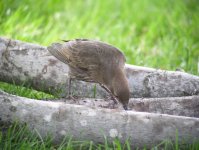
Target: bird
95, 61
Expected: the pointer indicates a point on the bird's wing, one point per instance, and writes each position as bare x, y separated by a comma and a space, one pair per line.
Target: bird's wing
94, 56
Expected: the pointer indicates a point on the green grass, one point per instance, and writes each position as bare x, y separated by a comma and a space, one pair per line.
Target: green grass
19, 137
24, 91
162, 34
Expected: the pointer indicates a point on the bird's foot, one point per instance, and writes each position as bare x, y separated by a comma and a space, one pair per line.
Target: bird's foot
126, 107
73, 98
112, 105
110, 97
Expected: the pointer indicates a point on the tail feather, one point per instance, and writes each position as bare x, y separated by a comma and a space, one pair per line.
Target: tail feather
54, 49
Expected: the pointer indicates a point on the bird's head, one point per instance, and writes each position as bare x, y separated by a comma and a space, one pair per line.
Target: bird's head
121, 89
123, 97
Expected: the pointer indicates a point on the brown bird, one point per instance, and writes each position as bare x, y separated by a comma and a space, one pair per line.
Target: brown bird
95, 61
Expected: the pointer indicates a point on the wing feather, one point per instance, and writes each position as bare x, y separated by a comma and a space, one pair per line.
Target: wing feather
93, 58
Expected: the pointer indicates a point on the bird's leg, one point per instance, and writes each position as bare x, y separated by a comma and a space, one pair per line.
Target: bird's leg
111, 94
69, 87
70, 96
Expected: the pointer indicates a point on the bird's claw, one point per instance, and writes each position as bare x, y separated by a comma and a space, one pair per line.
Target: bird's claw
72, 97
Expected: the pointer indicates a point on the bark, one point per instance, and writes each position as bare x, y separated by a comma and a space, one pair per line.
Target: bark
179, 106
93, 123
32, 65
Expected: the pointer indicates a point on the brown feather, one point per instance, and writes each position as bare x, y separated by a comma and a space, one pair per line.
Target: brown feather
94, 58
91, 61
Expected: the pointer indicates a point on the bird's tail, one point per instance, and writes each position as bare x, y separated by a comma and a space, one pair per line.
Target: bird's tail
57, 50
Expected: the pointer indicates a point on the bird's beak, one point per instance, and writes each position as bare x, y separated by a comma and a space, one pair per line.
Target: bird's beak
125, 107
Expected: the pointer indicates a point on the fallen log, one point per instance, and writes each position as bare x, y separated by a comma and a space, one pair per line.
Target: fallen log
31, 64
93, 123
170, 102
179, 106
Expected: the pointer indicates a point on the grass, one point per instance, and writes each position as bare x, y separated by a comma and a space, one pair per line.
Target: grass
24, 91
162, 34
19, 137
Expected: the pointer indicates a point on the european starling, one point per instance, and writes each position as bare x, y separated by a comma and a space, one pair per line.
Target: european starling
95, 61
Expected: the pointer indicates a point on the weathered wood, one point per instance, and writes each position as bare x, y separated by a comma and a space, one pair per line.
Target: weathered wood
31, 64
84, 123
179, 106
164, 109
